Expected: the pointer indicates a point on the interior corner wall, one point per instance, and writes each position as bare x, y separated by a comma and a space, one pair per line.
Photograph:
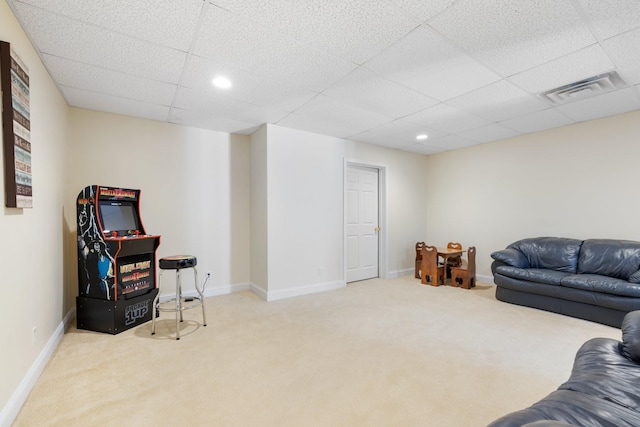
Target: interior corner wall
576, 181
194, 187
31, 248
259, 237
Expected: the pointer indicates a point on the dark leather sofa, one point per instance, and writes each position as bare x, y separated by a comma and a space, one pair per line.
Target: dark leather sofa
596, 279
603, 389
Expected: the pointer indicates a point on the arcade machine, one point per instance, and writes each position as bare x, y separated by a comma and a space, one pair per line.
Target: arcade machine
116, 261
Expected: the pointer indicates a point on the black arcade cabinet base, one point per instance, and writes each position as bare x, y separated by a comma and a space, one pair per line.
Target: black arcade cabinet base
113, 317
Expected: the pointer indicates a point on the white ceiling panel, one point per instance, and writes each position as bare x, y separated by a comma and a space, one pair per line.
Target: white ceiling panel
587, 62
222, 104
246, 86
346, 119
60, 36
612, 17
114, 104
512, 36
491, 132
618, 102
424, 9
248, 45
365, 89
446, 118
538, 121
625, 52
96, 79
378, 71
498, 101
354, 30
166, 22
202, 119
396, 134
428, 63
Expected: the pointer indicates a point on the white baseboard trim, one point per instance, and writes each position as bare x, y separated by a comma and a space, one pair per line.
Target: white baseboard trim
302, 290
13, 406
210, 292
260, 291
484, 279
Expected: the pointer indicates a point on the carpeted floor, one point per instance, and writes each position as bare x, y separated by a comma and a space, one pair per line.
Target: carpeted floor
376, 353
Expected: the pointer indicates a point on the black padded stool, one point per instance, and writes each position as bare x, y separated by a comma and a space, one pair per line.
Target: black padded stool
177, 263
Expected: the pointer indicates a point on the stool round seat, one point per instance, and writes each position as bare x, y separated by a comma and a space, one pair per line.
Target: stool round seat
177, 262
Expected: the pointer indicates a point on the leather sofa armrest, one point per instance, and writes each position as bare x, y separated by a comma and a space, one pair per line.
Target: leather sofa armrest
512, 257
630, 346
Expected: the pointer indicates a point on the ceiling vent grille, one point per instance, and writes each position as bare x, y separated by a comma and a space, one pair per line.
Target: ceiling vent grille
586, 88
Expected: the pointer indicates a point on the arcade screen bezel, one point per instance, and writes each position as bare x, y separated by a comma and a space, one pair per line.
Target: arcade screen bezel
128, 211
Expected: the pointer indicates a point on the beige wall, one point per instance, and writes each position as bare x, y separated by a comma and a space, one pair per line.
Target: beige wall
577, 181
195, 186
31, 250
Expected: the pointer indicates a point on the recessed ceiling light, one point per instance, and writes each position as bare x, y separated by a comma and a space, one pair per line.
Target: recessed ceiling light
221, 82
422, 136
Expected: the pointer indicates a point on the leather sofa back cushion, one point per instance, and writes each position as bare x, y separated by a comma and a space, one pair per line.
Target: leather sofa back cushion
630, 346
554, 253
613, 258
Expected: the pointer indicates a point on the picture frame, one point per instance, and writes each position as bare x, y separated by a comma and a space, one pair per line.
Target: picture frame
16, 129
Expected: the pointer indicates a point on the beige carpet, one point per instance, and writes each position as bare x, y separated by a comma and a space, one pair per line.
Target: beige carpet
377, 353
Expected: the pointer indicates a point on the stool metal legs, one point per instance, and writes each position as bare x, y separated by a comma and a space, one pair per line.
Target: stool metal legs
179, 299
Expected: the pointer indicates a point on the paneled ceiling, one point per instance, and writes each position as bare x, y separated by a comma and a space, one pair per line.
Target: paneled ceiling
463, 72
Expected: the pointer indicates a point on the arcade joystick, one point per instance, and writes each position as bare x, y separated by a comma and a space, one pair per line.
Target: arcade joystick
114, 234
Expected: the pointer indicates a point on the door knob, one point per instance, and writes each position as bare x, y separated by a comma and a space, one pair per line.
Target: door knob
377, 229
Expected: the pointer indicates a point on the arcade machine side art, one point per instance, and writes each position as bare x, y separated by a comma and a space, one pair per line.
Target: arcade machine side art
116, 261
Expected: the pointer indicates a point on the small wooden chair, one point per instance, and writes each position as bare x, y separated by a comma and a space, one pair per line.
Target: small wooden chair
419, 247
430, 270
465, 277
453, 261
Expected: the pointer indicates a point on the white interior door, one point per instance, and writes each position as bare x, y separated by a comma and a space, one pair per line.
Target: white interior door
361, 223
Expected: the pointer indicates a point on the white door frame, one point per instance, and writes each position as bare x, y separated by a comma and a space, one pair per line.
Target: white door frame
382, 216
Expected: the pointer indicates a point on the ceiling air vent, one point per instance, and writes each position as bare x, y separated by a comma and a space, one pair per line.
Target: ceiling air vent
586, 88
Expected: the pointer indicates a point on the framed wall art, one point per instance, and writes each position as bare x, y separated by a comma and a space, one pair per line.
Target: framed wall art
16, 128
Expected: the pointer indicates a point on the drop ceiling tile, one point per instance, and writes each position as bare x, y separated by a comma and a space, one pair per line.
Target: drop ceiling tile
201, 119
608, 104
166, 22
112, 104
353, 30
225, 105
422, 9
247, 86
610, 18
363, 88
625, 53
498, 101
241, 43
451, 142
512, 36
538, 121
425, 61
423, 149
109, 82
447, 119
574, 67
491, 132
396, 134
326, 114
59, 36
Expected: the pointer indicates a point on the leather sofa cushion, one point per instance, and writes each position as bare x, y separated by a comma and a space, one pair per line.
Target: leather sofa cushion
603, 284
630, 346
550, 277
614, 258
600, 370
554, 253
